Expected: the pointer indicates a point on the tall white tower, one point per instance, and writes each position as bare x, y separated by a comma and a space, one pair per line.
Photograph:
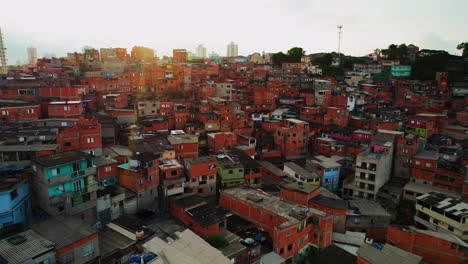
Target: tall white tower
3, 65
339, 38
32, 55
200, 51
232, 49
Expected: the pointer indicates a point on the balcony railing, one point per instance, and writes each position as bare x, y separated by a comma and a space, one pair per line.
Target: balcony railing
72, 176
78, 173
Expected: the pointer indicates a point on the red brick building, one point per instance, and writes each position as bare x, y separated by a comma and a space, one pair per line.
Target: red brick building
202, 218
9, 113
85, 135
185, 146
141, 175
433, 247
291, 226
115, 100
292, 137
221, 140
65, 109
201, 175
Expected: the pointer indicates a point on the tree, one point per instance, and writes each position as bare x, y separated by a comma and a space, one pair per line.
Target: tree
429, 62
217, 241
348, 62
323, 60
295, 54
279, 58
463, 46
396, 52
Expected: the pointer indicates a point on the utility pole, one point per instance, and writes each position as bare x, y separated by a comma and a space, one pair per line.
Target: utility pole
339, 39
3, 65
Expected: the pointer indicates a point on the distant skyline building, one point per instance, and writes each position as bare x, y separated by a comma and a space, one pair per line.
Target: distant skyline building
232, 49
32, 55
214, 55
200, 51
3, 65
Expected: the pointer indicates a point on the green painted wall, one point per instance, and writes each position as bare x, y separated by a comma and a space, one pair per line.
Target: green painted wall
66, 168
66, 187
108, 181
401, 70
416, 131
231, 177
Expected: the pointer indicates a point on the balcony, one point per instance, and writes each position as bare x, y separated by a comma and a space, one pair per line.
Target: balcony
78, 173
174, 191
428, 224
73, 176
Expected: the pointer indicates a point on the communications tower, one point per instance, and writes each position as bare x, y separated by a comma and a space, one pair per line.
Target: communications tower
339, 38
3, 65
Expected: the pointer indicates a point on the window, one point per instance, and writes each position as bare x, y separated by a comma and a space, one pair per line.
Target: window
150, 178
231, 171
428, 165
417, 162
281, 251
77, 186
68, 258
30, 111
90, 140
221, 224
88, 249
55, 171
211, 177
194, 180
14, 194
181, 147
45, 261
289, 247
288, 233
66, 108
140, 181
107, 169
5, 112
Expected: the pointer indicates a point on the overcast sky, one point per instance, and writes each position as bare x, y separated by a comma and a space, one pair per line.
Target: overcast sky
61, 26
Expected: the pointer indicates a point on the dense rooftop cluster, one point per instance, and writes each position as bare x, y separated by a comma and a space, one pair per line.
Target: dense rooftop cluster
110, 156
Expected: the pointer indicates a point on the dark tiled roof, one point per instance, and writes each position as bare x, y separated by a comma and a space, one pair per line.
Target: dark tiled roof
330, 202
24, 246
61, 158
208, 214
63, 230
189, 200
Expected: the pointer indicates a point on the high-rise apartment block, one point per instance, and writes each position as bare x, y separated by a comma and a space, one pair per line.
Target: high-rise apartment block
232, 50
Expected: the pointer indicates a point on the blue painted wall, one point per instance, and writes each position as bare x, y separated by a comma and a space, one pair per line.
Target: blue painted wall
17, 210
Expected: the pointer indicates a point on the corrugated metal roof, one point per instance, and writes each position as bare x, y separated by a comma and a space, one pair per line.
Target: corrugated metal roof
24, 246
